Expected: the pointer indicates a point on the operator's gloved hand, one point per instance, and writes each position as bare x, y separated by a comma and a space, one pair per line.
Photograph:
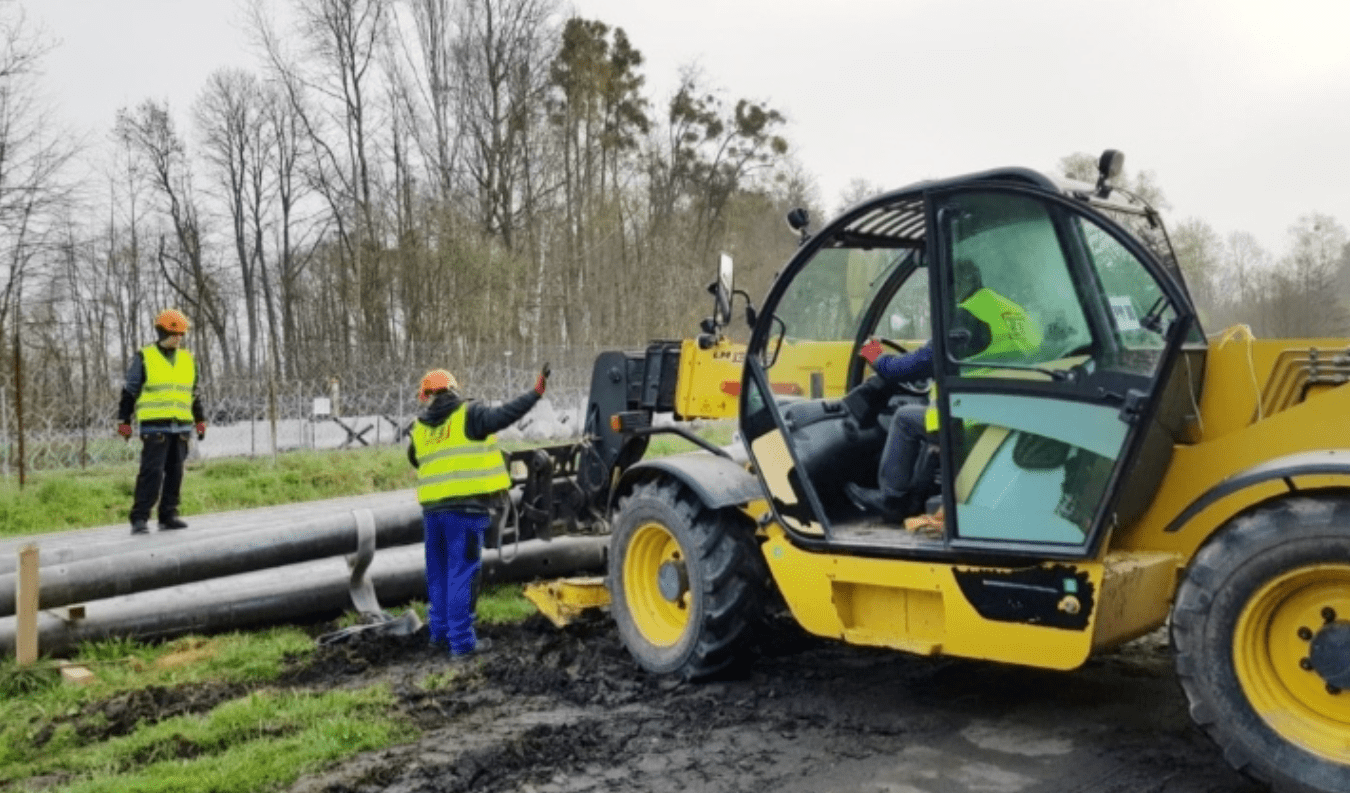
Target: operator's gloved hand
201, 430
871, 351
124, 429
541, 384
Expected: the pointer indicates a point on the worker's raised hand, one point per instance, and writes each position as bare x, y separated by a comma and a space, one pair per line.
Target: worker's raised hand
541, 384
201, 430
871, 351
124, 430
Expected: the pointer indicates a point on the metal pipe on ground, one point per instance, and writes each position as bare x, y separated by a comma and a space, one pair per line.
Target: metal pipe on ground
298, 592
210, 557
77, 545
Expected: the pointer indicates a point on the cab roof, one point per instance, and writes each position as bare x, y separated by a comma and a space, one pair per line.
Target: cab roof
896, 219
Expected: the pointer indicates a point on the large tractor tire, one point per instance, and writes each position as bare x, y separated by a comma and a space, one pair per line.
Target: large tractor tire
1261, 631
687, 584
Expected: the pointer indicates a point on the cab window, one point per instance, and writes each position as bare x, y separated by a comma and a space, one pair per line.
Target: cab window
1033, 292
907, 316
1010, 277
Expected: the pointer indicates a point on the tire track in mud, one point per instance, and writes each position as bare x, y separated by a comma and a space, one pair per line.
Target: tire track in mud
566, 711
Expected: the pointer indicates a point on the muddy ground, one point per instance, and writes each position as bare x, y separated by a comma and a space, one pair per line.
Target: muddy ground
563, 711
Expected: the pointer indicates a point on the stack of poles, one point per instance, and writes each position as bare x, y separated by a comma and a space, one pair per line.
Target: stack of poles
242, 570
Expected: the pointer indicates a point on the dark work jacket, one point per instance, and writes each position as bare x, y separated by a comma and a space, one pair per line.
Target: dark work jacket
480, 422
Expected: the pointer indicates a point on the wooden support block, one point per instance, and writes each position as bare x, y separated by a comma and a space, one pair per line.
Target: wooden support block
76, 675
26, 606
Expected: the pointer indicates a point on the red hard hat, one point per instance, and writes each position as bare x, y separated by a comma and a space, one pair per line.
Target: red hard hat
436, 380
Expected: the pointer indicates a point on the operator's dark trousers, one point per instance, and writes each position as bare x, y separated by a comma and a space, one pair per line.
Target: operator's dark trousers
161, 475
895, 472
454, 550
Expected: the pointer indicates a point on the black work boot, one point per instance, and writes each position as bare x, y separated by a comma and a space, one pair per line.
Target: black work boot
874, 501
168, 524
139, 527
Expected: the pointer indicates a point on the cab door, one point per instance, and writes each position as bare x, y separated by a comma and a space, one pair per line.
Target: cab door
1048, 367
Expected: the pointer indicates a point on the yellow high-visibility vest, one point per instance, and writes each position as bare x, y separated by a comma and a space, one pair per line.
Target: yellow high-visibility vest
450, 465
167, 392
1011, 332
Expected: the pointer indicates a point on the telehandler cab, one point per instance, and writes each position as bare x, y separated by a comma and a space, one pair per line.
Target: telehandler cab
1126, 471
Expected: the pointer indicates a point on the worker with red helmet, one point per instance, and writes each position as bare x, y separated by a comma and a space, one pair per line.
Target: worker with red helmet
461, 479
161, 388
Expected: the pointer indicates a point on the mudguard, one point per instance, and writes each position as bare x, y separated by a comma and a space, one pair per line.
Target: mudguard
1329, 462
717, 481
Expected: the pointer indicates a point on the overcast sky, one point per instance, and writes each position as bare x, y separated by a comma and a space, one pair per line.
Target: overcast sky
1240, 108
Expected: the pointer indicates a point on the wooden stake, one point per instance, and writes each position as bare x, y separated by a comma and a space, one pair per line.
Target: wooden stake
26, 606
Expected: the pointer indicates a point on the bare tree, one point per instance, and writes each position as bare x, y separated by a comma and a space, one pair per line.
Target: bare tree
150, 133
1199, 253
857, 190
430, 98
706, 155
501, 59
1236, 284
710, 155
291, 232
33, 156
231, 120
599, 117
1312, 268
330, 86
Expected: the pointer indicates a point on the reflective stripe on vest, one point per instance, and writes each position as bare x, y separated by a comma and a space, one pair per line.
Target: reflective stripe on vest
167, 392
450, 465
1011, 333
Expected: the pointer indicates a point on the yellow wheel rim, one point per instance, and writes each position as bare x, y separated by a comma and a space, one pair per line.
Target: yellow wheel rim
1271, 648
660, 620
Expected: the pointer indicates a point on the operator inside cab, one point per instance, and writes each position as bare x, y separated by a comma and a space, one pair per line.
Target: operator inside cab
987, 326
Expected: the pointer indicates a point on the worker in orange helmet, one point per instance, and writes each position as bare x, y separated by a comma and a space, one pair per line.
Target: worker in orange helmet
161, 387
461, 479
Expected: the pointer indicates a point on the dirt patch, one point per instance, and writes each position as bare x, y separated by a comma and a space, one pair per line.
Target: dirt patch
557, 711
120, 715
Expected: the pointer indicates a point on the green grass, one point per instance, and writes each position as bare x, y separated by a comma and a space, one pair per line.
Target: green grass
260, 741
503, 603
73, 499
719, 432
497, 603
57, 500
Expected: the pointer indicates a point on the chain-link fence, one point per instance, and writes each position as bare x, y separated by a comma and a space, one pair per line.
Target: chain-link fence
262, 416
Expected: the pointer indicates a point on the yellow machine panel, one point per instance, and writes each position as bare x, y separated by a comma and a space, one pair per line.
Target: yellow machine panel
914, 606
710, 379
1242, 426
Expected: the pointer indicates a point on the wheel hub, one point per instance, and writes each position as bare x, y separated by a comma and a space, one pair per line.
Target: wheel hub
1330, 656
672, 580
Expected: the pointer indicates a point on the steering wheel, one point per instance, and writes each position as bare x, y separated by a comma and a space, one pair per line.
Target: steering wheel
917, 388
894, 345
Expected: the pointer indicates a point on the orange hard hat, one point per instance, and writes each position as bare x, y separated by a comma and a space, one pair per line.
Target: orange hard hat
172, 320
436, 380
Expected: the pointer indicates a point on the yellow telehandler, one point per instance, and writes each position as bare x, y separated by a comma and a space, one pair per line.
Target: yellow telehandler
1124, 472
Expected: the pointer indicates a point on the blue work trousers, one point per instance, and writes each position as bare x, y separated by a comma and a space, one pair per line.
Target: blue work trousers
895, 473
454, 548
